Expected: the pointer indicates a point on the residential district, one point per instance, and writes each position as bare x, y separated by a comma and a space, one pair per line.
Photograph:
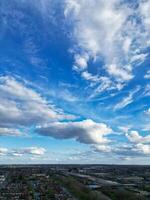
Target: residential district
74, 182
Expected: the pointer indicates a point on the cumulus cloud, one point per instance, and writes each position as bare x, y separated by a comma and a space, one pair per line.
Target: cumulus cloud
86, 131
110, 31
135, 137
3, 151
37, 151
10, 131
142, 148
130, 150
139, 145
23, 103
103, 148
22, 106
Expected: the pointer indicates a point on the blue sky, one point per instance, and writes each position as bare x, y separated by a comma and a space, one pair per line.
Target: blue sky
75, 81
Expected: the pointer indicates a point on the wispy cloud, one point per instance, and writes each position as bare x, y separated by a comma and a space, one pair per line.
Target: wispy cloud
147, 75
112, 33
126, 100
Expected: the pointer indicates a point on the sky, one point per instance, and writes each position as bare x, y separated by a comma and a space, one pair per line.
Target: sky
74, 82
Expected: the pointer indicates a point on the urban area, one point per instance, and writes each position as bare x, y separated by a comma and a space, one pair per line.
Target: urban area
74, 182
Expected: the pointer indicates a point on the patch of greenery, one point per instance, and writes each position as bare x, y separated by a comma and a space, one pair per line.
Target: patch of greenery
76, 188
120, 193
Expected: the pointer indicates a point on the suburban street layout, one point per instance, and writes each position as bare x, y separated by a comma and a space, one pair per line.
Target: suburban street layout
74, 182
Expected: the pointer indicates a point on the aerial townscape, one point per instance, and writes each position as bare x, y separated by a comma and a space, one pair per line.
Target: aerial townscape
74, 182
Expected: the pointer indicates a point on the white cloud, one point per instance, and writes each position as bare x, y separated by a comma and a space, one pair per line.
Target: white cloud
109, 30
81, 62
35, 151
145, 14
89, 77
21, 105
147, 75
138, 145
10, 131
103, 148
125, 158
125, 129
102, 83
87, 131
139, 58
3, 151
127, 44
147, 111
147, 90
126, 100
120, 73
146, 127
66, 95
142, 148
135, 137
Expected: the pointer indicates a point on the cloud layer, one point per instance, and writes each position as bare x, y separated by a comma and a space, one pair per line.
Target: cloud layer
34, 151
116, 33
87, 131
21, 105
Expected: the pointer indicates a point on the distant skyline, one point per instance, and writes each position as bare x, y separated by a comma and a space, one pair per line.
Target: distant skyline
74, 82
